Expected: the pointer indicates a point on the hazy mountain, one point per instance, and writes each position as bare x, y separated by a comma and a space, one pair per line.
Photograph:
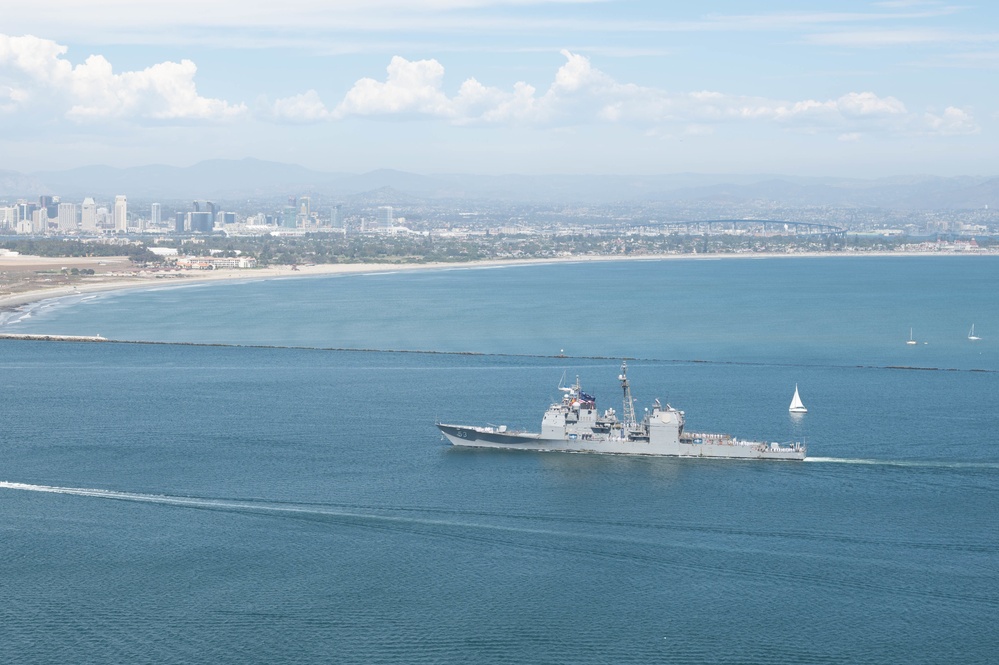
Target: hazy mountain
397, 181
383, 196
916, 193
253, 178
217, 178
14, 184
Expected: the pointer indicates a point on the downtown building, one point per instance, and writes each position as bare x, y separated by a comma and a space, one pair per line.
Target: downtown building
120, 214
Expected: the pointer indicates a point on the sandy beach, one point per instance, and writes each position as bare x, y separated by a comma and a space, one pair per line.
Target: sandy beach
32, 278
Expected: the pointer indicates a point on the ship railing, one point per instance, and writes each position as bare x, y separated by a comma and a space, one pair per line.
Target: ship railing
707, 437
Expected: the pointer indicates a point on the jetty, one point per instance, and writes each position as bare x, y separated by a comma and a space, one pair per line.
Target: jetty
54, 338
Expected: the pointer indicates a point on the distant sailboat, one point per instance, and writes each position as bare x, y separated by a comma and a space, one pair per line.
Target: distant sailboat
911, 341
971, 334
796, 405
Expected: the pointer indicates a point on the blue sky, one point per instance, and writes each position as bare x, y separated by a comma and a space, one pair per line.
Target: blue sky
840, 88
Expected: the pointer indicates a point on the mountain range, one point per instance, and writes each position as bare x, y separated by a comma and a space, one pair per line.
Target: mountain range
257, 179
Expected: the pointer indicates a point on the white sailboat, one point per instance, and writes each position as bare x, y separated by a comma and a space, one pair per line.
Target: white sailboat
971, 334
911, 341
796, 405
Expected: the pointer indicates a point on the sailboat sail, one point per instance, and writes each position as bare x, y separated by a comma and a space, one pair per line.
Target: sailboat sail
971, 334
796, 405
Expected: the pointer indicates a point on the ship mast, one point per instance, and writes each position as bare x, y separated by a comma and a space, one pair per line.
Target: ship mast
629, 403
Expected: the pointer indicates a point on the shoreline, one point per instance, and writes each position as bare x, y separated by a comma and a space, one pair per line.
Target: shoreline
15, 301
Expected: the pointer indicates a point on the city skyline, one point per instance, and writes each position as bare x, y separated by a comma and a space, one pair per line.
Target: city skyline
866, 89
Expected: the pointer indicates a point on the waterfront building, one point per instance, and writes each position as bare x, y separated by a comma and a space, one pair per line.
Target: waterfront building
51, 205
121, 214
104, 218
9, 217
26, 209
88, 216
216, 262
67, 216
40, 220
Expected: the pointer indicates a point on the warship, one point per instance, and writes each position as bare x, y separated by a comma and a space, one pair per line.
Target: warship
575, 425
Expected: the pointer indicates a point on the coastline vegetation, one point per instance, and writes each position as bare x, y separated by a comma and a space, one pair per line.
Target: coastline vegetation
325, 248
138, 252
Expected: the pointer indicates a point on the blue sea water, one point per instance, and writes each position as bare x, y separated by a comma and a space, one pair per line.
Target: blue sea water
239, 504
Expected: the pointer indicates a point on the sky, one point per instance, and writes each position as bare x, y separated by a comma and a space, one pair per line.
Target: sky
820, 88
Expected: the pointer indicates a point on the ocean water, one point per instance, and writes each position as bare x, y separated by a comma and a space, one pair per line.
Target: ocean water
170, 503
809, 310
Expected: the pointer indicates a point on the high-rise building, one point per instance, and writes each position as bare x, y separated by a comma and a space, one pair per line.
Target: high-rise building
120, 214
40, 221
155, 215
385, 216
200, 222
88, 216
51, 205
105, 220
206, 206
179, 221
289, 218
67, 216
9, 217
26, 209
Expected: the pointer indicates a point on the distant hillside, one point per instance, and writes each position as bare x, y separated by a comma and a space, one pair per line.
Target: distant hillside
383, 196
253, 178
216, 178
926, 192
14, 185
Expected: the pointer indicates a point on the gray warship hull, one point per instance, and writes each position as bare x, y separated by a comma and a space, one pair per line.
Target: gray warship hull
574, 425
719, 446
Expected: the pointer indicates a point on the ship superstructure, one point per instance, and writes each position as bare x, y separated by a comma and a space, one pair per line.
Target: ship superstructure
575, 425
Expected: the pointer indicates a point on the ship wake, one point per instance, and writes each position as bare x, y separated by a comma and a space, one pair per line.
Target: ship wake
926, 464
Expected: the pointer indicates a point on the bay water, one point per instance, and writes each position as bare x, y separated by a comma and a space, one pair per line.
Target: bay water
248, 494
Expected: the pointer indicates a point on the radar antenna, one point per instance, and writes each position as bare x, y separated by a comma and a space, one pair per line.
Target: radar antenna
629, 403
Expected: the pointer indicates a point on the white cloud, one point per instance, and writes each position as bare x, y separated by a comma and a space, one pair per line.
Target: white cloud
187, 21
577, 73
897, 37
520, 107
37, 71
952, 121
36, 77
412, 87
868, 104
304, 108
580, 94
